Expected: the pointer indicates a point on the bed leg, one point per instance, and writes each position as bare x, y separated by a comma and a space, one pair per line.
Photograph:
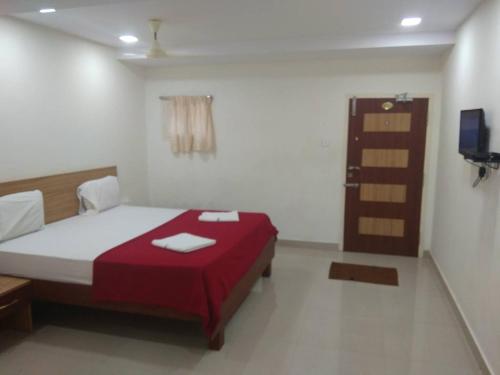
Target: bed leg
217, 342
267, 271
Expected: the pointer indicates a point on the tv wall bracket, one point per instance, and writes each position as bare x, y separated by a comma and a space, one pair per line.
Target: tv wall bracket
485, 165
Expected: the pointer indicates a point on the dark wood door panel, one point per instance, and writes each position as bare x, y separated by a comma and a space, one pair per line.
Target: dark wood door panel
385, 161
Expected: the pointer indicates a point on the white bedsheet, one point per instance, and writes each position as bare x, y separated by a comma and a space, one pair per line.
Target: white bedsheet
65, 250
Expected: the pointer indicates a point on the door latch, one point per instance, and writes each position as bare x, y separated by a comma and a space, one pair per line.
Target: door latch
354, 185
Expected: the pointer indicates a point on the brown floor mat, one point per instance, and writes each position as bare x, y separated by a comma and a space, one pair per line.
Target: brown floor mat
365, 274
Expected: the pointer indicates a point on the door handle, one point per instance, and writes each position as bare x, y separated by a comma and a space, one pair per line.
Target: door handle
353, 168
354, 185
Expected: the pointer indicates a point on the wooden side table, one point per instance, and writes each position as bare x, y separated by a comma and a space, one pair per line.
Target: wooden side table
15, 303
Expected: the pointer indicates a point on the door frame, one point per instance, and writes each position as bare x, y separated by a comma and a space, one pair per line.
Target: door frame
430, 160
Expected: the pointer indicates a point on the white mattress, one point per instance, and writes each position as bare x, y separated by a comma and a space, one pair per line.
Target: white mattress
65, 250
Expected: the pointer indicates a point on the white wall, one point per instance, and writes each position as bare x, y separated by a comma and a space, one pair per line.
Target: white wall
466, 239
271, 120
67, 104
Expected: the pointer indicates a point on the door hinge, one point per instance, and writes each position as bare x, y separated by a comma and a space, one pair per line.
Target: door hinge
354, 106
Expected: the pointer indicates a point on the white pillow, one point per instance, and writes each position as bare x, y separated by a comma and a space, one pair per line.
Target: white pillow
21, 213
98, 195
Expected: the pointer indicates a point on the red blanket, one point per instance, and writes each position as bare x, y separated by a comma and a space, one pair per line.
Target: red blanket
196, 283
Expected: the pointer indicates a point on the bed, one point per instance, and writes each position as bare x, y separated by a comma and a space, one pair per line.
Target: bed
71, 260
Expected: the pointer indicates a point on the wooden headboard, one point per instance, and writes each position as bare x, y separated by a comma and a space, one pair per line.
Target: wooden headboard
59, 191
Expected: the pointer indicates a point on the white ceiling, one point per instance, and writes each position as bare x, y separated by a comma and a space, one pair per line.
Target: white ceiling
260, 28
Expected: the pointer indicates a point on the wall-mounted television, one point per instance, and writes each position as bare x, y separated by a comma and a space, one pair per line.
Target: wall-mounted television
473, 133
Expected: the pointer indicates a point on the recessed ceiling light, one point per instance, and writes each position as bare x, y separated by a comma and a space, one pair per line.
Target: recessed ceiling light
47, 10
128, 39
411, 21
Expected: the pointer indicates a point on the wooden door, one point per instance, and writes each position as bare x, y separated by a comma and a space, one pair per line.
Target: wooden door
385, 162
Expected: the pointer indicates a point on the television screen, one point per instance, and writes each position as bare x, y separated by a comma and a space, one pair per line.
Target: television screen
472, 132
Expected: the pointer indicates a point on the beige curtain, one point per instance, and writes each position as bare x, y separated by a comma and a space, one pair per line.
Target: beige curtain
190, 126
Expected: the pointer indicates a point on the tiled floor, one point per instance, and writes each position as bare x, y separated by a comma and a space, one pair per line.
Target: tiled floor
297, 322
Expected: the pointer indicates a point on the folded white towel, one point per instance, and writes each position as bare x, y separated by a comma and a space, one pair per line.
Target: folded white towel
220, 216
184, 242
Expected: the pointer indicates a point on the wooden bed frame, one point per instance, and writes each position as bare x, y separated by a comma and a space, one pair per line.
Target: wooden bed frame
59, 192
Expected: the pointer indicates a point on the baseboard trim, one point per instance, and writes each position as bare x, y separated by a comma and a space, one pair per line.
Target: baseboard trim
308, 244
471, 338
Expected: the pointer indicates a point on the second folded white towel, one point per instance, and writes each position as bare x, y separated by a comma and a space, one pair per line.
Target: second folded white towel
220, 216
184, 242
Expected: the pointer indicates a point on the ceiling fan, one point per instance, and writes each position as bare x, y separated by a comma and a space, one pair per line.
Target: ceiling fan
155, 51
